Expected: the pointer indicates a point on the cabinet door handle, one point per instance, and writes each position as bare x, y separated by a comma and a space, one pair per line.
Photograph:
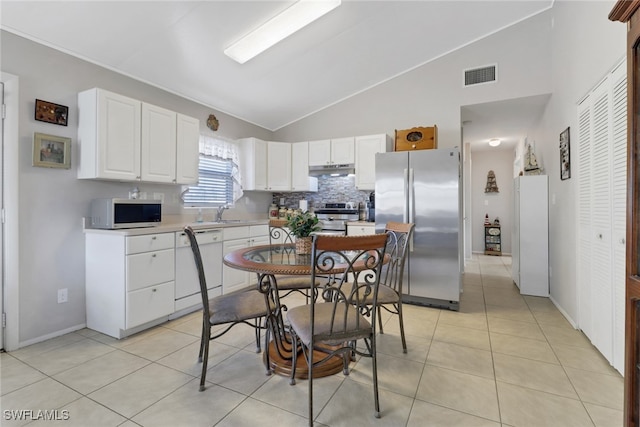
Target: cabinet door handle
154, 290
153, 255
154, 238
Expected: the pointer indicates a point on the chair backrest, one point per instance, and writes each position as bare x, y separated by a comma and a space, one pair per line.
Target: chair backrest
398, 249
200, 267
278, 233
355, 262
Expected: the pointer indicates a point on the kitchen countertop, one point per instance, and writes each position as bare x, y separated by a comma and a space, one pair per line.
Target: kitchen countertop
170, 225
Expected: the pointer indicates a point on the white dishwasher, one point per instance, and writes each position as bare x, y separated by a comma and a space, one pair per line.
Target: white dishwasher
187, 284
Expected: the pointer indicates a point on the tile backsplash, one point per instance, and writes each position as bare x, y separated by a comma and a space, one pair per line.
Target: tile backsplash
331, 189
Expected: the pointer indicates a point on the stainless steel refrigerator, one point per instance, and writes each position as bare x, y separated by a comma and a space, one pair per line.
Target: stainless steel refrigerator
424, 187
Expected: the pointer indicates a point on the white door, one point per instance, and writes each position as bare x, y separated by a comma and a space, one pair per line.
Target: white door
601, 215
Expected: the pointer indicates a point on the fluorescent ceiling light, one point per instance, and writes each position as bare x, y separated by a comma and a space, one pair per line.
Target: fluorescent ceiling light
494, 142
281, 26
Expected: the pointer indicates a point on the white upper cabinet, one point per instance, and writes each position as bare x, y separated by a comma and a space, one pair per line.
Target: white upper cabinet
320, 152
108, 136
366, 149
300, 179
187, 149
331, 151
158, 144
265, 166
127, 140
279, 166
253, 164
343, 151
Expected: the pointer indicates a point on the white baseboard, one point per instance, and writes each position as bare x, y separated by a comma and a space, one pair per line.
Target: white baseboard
51, 335
564, 313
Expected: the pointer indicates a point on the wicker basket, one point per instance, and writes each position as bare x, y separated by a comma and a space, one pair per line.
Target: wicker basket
303, 245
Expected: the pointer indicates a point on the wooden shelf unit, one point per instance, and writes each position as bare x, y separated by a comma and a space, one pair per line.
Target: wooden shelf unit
492, 240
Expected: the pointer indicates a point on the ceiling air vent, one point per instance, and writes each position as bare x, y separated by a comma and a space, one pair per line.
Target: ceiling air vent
480, 75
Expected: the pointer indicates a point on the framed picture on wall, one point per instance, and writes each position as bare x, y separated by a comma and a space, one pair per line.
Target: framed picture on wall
51, 113
565, 153
50, 151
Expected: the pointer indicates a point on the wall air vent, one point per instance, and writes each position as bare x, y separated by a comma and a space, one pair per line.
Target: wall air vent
474, 76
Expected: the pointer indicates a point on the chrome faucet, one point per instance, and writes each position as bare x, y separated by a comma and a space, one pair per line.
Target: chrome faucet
221, 209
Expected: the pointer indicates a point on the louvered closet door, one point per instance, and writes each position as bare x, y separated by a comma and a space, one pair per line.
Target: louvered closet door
619, 209
584, 233
601, 215
601, 290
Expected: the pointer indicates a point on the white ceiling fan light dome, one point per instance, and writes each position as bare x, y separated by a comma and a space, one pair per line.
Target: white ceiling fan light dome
494, 142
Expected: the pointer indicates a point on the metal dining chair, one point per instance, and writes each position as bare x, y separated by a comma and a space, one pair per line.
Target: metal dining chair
390, 292
278, 233
331, 325
248, 307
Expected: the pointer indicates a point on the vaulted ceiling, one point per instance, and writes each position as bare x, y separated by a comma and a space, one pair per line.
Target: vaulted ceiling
178, 46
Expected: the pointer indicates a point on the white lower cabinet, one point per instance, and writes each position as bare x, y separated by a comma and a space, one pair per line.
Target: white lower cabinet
238, 238
129, 281
135, 282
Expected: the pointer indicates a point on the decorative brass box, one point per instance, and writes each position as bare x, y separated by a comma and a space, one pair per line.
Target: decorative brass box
418, 138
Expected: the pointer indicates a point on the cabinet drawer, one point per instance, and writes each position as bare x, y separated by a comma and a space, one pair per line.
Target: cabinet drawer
149, 242
232, 233
150, 268
145, 305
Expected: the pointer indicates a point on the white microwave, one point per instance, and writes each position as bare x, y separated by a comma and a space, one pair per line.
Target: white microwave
125, 213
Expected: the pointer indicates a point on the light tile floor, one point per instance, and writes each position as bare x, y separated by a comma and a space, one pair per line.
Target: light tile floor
504, 359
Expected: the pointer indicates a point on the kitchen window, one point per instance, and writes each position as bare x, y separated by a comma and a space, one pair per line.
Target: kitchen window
219, 175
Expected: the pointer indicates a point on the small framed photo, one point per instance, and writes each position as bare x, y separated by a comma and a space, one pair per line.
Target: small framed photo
51, 113
565, 155
50, 151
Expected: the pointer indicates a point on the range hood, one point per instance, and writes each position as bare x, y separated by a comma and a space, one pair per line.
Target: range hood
338, 170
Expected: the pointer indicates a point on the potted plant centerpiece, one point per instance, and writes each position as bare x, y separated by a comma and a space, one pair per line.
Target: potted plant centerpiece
301, 225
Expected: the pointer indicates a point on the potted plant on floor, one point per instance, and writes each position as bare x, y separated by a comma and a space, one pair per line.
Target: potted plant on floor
301, 225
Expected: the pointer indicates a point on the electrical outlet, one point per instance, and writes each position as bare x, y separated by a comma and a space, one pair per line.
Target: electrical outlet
63, 295
158, 196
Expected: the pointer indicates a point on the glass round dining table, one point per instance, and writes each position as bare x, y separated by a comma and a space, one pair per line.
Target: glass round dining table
270, 262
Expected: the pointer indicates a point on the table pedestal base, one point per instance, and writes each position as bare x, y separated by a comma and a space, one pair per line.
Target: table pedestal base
282, 366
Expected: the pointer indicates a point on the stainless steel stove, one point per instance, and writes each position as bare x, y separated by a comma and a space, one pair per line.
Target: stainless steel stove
333, 217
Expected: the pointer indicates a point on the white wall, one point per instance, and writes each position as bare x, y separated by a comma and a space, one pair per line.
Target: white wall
564, 51
495, 204
52, 201
433, 93
585, 46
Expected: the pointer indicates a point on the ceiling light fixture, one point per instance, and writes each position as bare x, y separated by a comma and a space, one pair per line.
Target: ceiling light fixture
494, 142
281, 26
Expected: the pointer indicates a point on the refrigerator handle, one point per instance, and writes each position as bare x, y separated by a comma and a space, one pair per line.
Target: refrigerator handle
411, 197
411, 203
405, 214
